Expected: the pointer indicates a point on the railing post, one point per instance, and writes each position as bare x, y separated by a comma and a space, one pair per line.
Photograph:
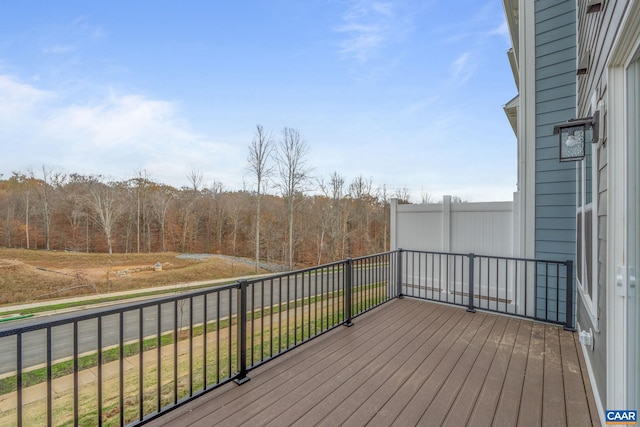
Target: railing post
241, 315
348, 291
568, 321
399, 274
471, 307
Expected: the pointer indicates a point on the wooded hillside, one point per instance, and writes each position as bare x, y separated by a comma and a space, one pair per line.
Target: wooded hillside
59, 211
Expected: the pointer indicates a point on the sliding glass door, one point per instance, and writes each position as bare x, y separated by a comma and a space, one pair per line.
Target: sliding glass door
633, 234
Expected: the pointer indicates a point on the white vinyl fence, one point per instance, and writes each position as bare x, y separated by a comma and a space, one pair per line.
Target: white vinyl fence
480, 228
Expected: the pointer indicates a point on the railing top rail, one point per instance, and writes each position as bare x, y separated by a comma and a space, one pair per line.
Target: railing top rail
435, 252
372, 256
548, 261
542, 261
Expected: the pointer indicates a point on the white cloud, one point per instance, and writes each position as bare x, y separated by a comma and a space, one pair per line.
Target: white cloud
367, 26
18, 98
59, 49
462, 68
118, 120
113, 135
82, 25
502, 30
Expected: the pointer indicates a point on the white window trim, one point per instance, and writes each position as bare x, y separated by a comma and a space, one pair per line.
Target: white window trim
590, 302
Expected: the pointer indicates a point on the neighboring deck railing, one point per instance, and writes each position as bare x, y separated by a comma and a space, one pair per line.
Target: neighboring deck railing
537, 289
130, 363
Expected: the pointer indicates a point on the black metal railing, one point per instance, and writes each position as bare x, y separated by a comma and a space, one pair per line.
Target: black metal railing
129, 363
536, 289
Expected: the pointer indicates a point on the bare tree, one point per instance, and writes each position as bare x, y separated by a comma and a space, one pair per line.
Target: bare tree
25, 181
360, 191
189, 221
458, 199
293, 175
161, 199
104, 202
219, 206
335, 190
402, 194
141, 183
384, 198
260, 152
427, 198
44, 190
77, 209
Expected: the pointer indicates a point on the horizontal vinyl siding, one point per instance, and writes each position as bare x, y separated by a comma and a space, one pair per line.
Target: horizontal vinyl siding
555, 103
555, 226
561, 235
556, 187
556, 223
568, 90
551, 163
548, 10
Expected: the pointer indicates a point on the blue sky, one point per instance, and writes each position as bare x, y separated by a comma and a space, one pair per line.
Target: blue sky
406, 93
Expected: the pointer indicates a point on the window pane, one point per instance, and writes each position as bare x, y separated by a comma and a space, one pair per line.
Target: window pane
579, 247
588, 249
579, 180
588, 167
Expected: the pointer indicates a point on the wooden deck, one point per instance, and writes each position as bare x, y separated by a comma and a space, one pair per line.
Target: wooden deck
408, 363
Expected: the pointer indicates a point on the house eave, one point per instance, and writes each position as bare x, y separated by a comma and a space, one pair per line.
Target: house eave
511, 110
511, 12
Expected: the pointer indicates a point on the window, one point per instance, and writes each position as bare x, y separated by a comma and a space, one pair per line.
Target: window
586, 224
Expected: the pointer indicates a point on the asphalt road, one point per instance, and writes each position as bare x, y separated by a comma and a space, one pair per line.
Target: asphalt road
219, 304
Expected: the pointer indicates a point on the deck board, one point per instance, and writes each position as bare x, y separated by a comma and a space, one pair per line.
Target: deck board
508, 408
409, 402
411, 362
341, 404
342, 377
531, 401
460, 411
439, 407
487, 401
553, 410
576, 402
396, 374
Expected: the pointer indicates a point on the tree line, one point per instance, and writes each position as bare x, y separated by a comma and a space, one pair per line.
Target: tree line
289, 216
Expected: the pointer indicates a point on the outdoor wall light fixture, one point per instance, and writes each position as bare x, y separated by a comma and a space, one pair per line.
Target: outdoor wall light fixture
595, 6
572, 137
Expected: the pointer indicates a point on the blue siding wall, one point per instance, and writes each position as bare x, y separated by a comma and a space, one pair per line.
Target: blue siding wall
555, 228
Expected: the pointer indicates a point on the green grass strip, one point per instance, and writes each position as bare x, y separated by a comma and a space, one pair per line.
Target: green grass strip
17, 316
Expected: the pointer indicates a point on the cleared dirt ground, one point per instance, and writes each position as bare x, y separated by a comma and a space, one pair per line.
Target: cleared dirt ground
35, 275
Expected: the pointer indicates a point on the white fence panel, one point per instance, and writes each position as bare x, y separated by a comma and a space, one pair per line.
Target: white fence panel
481, 228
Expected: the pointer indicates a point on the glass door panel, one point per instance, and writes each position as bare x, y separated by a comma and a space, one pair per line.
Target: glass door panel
633, 235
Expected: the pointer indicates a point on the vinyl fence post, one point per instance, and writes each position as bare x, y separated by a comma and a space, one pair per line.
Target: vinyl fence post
399, 273
241, 315
471, 307
568, 321
348, 291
